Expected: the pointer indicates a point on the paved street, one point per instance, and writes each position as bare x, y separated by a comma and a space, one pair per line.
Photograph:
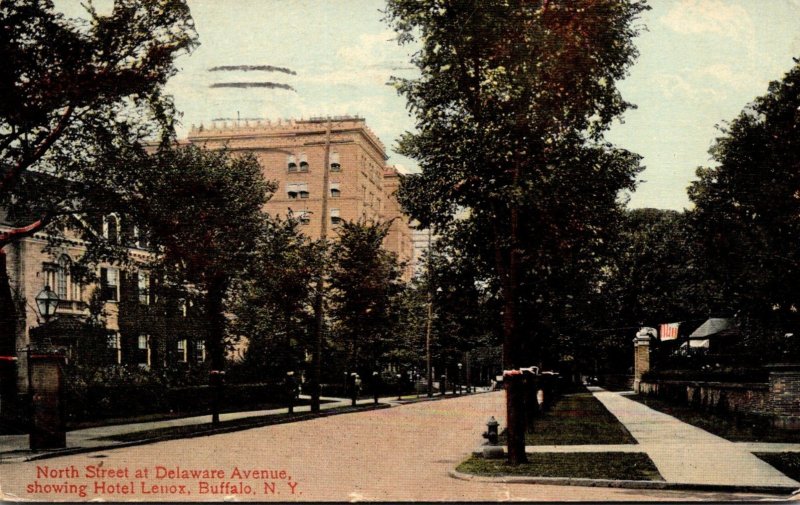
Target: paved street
402, 453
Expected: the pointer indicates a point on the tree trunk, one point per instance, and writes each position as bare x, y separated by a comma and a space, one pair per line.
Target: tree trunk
8, 341
508, 266
216, 343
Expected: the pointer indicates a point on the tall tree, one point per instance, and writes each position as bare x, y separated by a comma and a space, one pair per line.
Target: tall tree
204, 213
271, 302
511, 106
748, 215
67, 84
364, 280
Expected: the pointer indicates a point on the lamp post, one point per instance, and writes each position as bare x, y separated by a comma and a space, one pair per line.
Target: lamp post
46, 405
459, 378
47, 303
375, 383
399, 386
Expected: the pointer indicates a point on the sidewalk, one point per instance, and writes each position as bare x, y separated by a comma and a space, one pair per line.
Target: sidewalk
15, 448
685, 454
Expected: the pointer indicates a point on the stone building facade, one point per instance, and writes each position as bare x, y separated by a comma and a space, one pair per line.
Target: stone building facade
136, 325
292, 153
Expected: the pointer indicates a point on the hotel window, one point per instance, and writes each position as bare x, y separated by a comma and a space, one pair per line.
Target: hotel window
115, 345
335, 191
111, 228
182, 350
109, 284
143, 287
335, 217
291, 163
295, 189
303, 162
335, 166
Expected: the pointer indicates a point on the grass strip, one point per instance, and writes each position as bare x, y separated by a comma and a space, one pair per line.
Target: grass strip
788, 463
577, 465
232, 425
736, 428
578, 419
166, 416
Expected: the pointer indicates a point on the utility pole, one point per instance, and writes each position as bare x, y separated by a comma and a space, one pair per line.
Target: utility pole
430, 317
316, 357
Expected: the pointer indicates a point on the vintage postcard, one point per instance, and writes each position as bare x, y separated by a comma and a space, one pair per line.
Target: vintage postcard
399, 250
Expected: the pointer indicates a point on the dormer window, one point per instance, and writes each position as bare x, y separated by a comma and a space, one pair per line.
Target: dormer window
335, 166
303, 163
291, 163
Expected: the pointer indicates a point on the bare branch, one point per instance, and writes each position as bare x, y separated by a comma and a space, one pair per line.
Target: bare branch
41, 149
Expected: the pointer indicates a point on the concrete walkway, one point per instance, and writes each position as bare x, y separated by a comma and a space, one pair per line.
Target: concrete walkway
689, 455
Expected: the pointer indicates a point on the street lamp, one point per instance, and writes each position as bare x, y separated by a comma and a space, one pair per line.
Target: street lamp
459, 378
399, 386
47, 303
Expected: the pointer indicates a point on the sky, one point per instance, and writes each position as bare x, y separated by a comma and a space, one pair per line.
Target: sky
700, 63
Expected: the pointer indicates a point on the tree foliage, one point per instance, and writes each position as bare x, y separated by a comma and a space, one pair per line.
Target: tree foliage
71, 84
511, 104
748, 216
203, 212
271, 301
364, 282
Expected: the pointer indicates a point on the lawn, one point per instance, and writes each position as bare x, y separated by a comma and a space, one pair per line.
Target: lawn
728, 426
161, 416
578, 419
787, 463
233, 425
585, 465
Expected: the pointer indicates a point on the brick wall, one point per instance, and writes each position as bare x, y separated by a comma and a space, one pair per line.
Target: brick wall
744, 398
784, 395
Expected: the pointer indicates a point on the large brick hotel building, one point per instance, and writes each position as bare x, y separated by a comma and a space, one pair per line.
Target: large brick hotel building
292, 153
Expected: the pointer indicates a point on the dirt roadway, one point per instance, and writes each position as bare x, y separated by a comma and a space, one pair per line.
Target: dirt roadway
397, 454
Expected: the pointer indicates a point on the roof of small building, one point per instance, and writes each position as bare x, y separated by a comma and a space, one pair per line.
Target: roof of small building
714, 326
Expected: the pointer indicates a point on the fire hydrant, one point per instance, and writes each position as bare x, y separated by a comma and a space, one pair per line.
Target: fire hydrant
491, 431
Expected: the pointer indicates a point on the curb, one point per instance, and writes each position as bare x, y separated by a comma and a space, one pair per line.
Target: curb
435, 398
625, 484
304, 416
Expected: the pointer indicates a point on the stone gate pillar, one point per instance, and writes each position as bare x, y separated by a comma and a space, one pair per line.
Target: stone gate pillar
47, 402
641, 357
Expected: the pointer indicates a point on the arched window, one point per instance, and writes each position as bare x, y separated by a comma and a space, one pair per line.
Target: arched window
303, 162
291, 163
62, 277
111, 228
